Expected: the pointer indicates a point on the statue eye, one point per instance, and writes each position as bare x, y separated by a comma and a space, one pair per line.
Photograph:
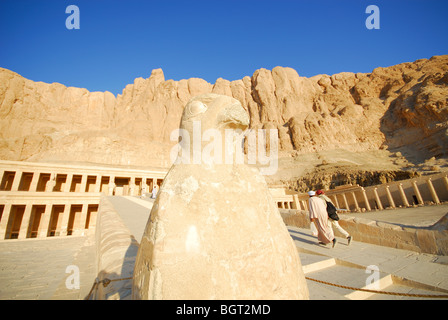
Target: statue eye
196, 108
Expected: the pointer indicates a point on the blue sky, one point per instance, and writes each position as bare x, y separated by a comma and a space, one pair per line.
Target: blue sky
119, 41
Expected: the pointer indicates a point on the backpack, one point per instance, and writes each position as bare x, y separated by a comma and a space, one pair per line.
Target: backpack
331, 210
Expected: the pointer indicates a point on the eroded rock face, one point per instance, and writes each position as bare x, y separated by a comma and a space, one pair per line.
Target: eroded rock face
402, 106
214, 231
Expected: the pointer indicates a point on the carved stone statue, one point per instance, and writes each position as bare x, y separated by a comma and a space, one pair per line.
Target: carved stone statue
214, 231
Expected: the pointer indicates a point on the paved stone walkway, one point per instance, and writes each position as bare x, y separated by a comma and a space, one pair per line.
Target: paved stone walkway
408, 271
423, 273
134, 211
35, 269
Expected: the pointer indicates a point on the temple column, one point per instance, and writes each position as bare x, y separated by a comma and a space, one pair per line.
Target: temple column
345, 202
68, 182
2, 174
144, 186
445, 182
403, 195
78, 228
5, 218
366, 200
417, 192
34, 182
51, 183
43, 227
377, 199
132, 186
83, 186
25, 221
64, 220
16, 181
356, 201
434, 196
296, 201
389, 197
111, 185
304, 204
336, 202
98, 184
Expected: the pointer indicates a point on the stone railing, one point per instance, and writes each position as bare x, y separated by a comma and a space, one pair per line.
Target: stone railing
116, 249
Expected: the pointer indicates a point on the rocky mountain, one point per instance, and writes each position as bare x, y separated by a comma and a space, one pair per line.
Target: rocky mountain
402, 108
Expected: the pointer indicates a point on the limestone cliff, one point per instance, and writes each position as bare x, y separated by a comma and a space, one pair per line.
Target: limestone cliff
403, 108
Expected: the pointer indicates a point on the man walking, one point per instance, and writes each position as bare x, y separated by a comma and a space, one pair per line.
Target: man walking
335, 223
319, 216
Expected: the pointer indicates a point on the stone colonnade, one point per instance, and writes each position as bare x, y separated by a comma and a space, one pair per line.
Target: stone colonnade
31, 216
419, 191
39, 200
288, 202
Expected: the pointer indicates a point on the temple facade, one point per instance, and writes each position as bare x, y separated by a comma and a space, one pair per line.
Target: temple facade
39, 200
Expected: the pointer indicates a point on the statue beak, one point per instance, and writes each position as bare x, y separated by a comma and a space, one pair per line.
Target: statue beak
233, 117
